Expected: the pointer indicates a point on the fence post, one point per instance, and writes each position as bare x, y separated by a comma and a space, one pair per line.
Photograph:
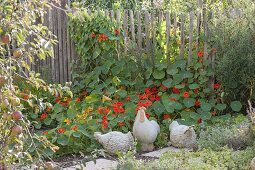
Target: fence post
168, 33
191, 19
182, 36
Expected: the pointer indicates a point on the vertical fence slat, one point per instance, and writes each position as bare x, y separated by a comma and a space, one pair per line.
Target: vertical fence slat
112, 15
182, 36
125, 28
205, 57
65, 54
132, 25
60, 44
153, 34
168, 34
199, 3
56, 46
139, 31
147, 31
191, 19
119, 26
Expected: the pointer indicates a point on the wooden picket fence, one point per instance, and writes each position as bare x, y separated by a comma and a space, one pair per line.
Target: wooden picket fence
139, 33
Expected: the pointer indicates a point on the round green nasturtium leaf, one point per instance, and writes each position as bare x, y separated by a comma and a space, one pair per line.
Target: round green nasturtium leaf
236, 106
189, 102
177, 79
76, 134
206, 106
158, 74
193, 86
206, 115
62, 140
221, 107
180, 63
172, 71
177, 106
158, 107
122, 93
168, 82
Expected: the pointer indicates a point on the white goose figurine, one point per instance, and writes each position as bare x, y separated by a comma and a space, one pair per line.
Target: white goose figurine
145, 131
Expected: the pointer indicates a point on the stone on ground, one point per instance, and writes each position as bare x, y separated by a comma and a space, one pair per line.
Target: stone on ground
101, 164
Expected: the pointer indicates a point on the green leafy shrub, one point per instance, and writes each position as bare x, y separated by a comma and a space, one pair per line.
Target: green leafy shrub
233, 133
183, 160
234, 37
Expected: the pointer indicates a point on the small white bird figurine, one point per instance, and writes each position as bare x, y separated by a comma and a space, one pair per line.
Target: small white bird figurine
115, 141
182, 136
145, 131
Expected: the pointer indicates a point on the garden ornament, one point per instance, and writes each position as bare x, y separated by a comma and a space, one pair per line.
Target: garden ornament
145, 131
182, 136
115, 141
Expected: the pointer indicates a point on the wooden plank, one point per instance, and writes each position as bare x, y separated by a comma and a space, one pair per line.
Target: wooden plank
147, 32
119, 27
132, 25
139, 31
59, 56
199, 3
64, 45
112, 15
125, 28
69, 57
168, 33
153, 34
191, 20
55, 27
182, 36
205, 56
106, 12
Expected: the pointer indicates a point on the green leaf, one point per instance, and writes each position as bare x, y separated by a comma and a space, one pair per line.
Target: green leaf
189, 102
193, 86
157, 74
92, 98
57, 108
71, 113
172, 71
96, 52
122, 93
168, 82
62, 140
236, 106
206, 106
177, 106
221, 106
206, 115
76, 134
158, 107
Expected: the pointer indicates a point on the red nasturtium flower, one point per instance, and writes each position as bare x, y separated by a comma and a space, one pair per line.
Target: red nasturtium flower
45, 133
185, 94
196, 91
61, 130
199, 121
127, 98
216, 86
74, 128
106, 110
120, 103
200, 54
93, 35
197, 103
43, 116
78, 100
175, 90
102, 37
117, 32
104, 122
121, 123
100, 110
166, 116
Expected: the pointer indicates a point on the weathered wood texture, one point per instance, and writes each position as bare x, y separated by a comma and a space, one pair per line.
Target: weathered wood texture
143, 32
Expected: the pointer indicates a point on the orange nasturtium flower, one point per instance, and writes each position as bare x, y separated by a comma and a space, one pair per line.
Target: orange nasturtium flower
61, 130
74, 128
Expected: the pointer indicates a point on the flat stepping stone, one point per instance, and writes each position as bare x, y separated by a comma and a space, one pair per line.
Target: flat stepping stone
101, 164
158, 153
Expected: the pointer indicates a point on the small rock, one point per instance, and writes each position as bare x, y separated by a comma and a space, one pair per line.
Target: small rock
253, 164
